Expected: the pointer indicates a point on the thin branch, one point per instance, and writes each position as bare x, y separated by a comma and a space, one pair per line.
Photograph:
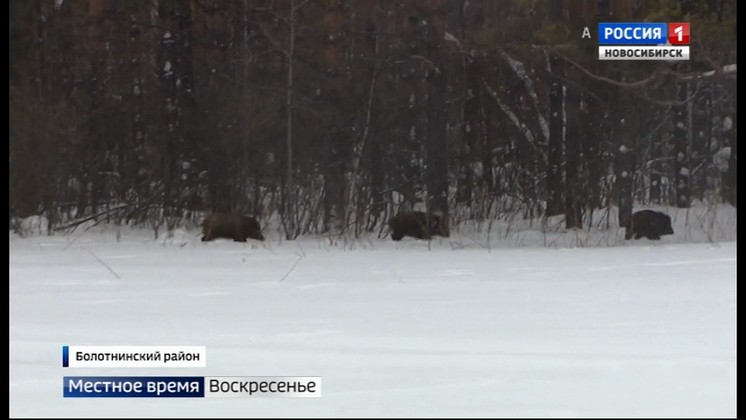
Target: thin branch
81, 221
594, 76
670, 103
300, 257
102, 263
523, 128
278, 46
520, 70
726, 70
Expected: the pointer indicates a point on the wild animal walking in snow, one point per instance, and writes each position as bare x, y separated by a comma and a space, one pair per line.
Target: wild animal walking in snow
230, 226
418, 225
648, 223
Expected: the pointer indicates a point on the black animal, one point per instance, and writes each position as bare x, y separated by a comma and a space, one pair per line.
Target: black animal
648, 223
418, 225
230, 226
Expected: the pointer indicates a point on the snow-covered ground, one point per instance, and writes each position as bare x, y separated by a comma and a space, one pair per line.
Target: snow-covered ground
450, 328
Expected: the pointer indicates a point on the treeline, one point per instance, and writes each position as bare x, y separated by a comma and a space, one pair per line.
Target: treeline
332, 115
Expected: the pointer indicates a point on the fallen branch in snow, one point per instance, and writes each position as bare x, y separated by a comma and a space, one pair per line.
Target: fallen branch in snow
300, 257
70, 243
102, 263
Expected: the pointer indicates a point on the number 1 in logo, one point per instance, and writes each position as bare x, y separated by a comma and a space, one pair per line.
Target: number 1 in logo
678, 33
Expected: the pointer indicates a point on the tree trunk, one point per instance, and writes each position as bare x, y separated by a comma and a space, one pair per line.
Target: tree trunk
436, 142
681, 149
706, 146
573, 208
470, 129
488, 189
336, 135
437, 153
289, 190
730, 184
624, 168
655, 168
556, 126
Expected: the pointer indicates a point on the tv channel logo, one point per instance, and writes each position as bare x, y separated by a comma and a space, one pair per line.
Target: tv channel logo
643, 41
678, 33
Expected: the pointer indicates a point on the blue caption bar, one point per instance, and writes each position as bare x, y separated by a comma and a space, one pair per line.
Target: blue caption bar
628, 33
65, 356
133, 387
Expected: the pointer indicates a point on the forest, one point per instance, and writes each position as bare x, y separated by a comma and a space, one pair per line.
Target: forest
331, 116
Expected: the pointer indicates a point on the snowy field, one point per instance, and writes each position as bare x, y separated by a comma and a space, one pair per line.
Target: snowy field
450, 328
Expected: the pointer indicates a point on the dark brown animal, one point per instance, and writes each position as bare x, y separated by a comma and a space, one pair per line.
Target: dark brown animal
418, 225
648, 223
230, 226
